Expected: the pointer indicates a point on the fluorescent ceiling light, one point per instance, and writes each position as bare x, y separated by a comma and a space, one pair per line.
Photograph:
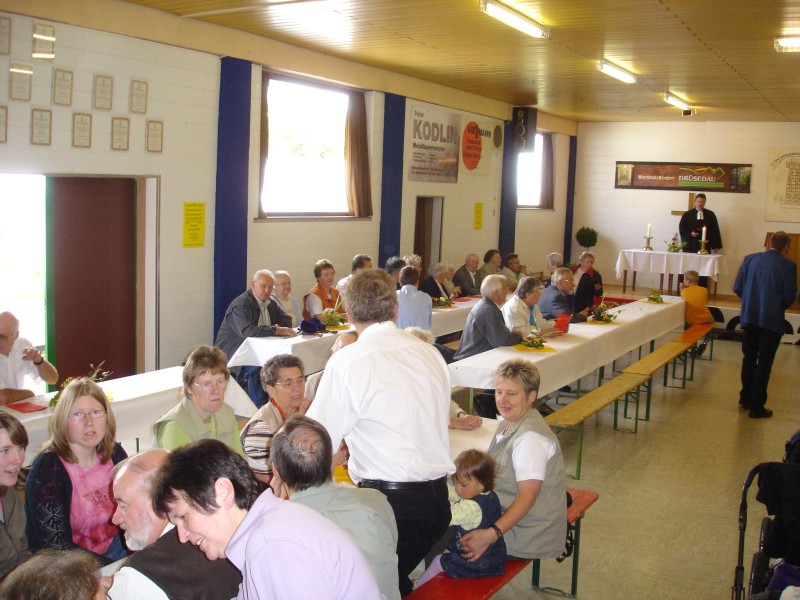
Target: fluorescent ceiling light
515, 19
789, 43
46, 38
23, 70
43, 55
616, 72
677, 102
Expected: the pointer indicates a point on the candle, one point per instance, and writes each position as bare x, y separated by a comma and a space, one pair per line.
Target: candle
649, 230
704, 235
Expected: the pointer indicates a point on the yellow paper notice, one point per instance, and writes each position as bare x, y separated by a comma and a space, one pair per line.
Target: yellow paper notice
477, 219
194, 224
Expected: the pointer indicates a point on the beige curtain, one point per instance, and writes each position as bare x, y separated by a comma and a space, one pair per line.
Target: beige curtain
264, 140
359, 195
546, 200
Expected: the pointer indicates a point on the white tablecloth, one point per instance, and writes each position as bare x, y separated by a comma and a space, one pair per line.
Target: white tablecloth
675, 263
314, 351
451, 320
137, 402
585, 348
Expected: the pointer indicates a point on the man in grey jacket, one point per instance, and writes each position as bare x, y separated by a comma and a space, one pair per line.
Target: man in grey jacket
253, 314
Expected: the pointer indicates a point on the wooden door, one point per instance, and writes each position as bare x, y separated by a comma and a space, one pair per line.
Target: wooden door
91, 274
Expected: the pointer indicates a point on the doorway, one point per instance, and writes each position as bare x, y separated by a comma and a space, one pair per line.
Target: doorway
428, 230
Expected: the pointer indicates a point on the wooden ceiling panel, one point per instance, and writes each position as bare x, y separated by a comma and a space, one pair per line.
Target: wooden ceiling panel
717, 54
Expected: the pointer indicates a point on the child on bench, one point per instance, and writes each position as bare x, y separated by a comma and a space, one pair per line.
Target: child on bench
475, 506
696, 298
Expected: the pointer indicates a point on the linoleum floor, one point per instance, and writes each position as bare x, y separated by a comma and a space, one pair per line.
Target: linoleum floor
666, 524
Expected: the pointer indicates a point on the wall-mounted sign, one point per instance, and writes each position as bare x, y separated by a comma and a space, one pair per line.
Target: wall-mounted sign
434, 145
683, 176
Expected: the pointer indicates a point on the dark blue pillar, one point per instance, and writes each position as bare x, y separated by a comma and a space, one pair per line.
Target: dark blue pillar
230, 216
394, 126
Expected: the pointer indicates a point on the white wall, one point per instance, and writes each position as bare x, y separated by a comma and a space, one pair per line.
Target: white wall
621, 216
183, 93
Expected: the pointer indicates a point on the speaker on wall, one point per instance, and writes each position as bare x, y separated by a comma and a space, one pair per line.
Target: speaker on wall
524, 128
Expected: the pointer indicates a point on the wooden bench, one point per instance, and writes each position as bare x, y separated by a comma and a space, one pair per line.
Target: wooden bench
573, 415
694, 334
661, 357
443, 587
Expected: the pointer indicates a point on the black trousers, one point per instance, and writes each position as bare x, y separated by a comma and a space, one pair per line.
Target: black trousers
422, 513
758, 349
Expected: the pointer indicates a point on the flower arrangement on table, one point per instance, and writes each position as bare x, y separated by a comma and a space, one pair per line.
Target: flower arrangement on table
600, 313
331, 318
535, 341
655, 297
442, 302
674, 245
96, 374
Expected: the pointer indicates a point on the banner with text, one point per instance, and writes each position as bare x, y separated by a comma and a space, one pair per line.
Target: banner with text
683, 176
435, 142
783, 185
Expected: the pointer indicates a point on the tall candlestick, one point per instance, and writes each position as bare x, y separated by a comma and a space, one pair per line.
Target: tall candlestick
704, 234
649, 230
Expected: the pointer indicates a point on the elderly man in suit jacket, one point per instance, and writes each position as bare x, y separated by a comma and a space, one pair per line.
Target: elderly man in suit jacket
553, 300
767, 285
466, 276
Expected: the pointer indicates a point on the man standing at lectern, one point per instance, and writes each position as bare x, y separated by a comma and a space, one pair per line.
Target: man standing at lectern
691, 227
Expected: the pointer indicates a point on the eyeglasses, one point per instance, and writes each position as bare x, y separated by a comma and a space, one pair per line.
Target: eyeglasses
79, 416
290, 382
206, 387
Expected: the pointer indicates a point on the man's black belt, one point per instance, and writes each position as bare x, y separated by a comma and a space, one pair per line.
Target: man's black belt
377, 484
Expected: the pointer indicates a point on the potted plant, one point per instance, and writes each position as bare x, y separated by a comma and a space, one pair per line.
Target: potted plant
586, 237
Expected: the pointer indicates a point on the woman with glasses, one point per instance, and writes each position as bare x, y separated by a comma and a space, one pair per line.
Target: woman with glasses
202, 413
13, 543
68, 499
285, 384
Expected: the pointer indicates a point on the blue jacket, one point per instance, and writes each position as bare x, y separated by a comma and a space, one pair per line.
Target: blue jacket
493, 561
767, 285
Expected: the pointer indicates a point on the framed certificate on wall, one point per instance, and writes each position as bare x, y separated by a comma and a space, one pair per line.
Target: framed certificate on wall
103, 92
41, 126
139, 97
81, 130
62, 87
120, 133
3, 124
155, 136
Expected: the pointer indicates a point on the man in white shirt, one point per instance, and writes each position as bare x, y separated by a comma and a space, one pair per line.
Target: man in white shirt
388, 397
19, 358
161, 568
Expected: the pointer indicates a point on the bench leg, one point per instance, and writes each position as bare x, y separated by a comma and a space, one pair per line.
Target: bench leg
470, 406
576, 556
711, 349
537, 566
649, 396
579, 456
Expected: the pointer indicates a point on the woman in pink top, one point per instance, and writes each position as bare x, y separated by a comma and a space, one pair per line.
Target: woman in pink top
68, 497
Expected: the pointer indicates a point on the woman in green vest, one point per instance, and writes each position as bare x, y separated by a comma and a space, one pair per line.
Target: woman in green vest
531, 483
202, 412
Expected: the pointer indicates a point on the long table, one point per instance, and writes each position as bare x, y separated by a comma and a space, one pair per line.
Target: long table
670, 263
315, 350
137, 402
585, 348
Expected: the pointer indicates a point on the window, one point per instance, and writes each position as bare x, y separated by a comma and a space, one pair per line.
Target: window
535, 174
308, 159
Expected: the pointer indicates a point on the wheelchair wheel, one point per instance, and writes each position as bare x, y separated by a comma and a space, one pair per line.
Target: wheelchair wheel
766, 522
759, 573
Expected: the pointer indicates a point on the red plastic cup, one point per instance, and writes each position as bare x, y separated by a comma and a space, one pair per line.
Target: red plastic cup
562, 323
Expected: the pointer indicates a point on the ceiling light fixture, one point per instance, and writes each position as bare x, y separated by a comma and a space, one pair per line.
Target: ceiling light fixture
515, 19
616, 72
677, 102
789, 43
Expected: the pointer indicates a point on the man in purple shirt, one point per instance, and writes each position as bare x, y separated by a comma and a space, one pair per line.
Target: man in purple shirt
283, 549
